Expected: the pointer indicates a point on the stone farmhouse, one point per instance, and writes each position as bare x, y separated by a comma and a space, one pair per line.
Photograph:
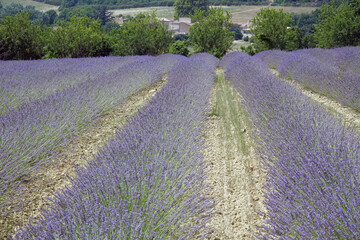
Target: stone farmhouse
180, 26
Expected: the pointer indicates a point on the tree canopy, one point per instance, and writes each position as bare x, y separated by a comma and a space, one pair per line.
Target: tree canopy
20, 39
79, 37
37, 17
272, 30
339, 24
143, 35
210, 33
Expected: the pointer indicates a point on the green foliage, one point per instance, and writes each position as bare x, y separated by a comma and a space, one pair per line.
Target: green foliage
142, 35
339, 25
110, 26
98, 12
116, 4
52, 15
315, 3
294, 36
35, 17
20, 38
68, 3
237, 31
52, 2
306, 21
79, 37
249, 49
180, 47
181, 37
185, 8
210, 33
271, 29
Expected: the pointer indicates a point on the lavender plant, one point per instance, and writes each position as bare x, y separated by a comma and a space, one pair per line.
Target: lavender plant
271, 57
323, 78
31, 134
209, 58
229, 57
148, 182
343, 59
24, 81
311, 159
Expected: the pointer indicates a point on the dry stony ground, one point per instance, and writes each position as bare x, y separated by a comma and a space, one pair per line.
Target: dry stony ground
55, 176
234, 170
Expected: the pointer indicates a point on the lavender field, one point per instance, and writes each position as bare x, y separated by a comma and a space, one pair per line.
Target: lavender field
287, 161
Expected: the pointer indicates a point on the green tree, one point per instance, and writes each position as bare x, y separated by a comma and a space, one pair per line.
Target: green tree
142, 35
185, 8
103, 14
97, 12
237, 31
210, 33
68, 3
270, 29
180, 47
79, 37
52, 15
20, 39
36, 16
339, 25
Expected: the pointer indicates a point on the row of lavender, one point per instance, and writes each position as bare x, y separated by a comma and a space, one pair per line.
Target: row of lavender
331, 72
25, 81
312, 161
148, 182
31, 134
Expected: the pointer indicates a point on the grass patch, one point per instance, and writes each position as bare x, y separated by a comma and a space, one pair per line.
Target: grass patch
235, 121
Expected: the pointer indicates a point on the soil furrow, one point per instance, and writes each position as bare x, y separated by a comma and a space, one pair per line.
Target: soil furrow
349, 115
234, 171
55, 176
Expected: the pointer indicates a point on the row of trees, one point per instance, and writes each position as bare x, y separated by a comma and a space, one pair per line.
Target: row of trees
145, 34
332, 25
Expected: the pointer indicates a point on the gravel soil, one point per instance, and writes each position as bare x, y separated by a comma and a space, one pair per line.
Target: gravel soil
234, 172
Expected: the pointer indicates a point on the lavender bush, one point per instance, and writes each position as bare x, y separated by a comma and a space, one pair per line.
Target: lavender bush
311, 159
207, 57
31, 134
229, 57
24, 81
148, 182
323, 78
271, 57
343, 59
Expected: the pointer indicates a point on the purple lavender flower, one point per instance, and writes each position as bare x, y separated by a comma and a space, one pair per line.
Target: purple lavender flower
311, 159
148, 182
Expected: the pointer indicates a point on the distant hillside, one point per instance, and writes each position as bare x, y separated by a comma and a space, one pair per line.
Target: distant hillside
117, 4
315, 3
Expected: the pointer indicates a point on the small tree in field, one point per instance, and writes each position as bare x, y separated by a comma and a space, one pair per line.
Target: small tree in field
270, 29
210, 33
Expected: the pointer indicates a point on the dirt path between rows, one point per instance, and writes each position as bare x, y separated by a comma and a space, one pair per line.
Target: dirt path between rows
84, 147
234, 171
350, 116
